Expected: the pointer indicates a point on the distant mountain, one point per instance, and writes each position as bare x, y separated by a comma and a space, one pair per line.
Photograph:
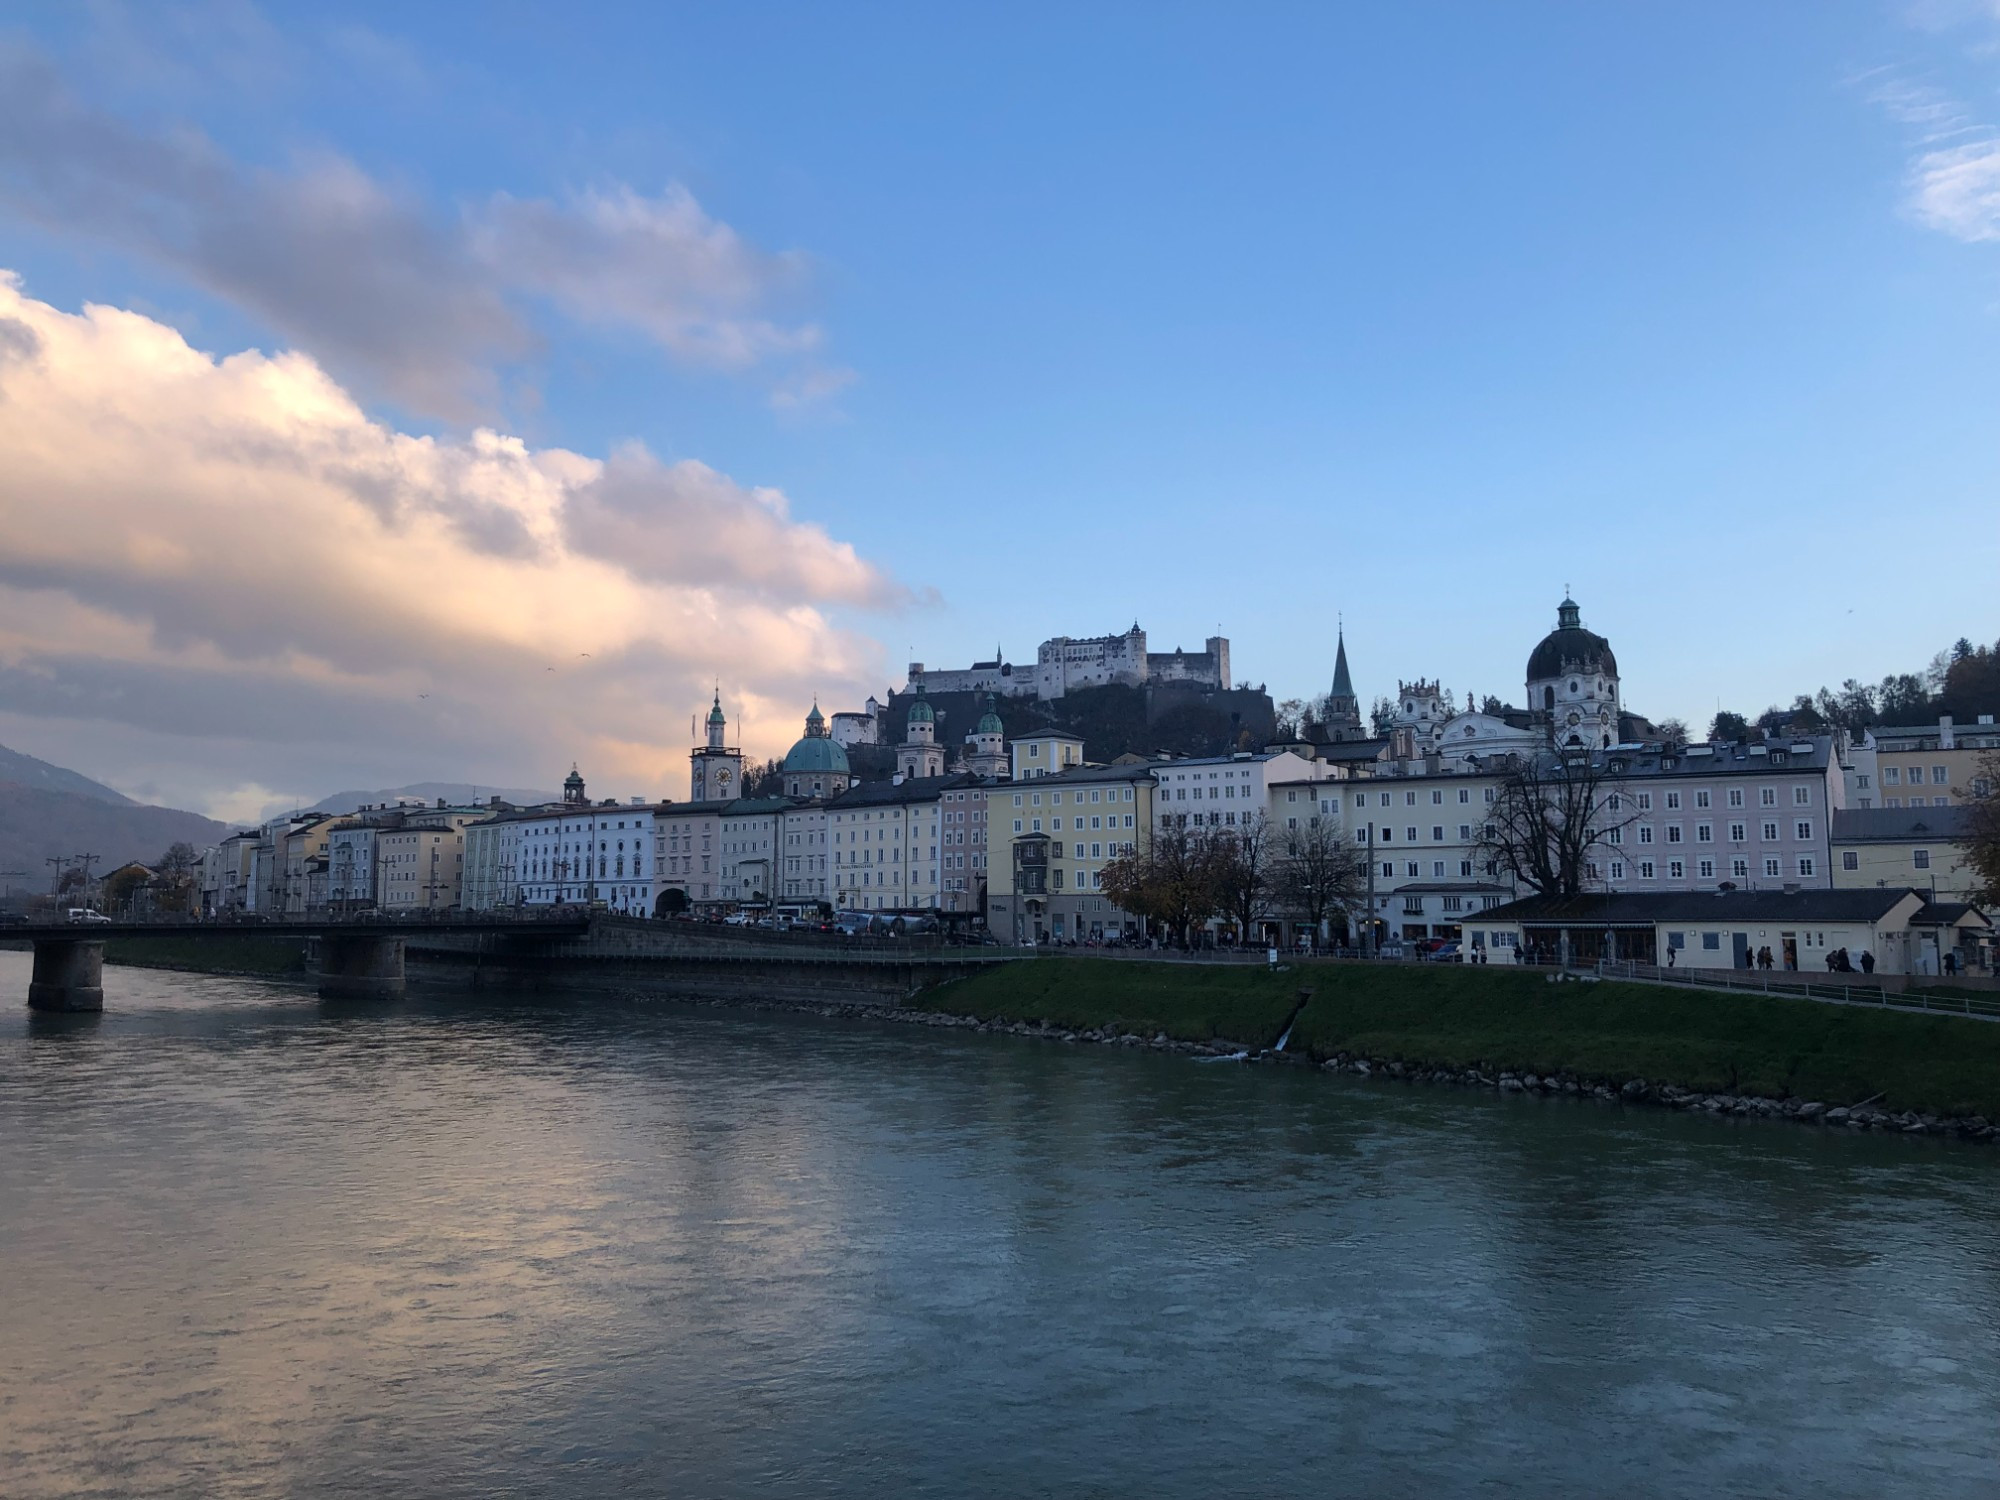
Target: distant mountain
38, 824
458, 793
25, 770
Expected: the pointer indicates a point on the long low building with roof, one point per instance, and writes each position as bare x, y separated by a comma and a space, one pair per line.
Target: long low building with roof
1901, 929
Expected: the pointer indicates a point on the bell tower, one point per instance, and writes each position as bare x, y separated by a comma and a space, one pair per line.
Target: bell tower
920, 754
715, 770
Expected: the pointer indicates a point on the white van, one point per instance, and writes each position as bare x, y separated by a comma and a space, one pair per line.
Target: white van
85, 914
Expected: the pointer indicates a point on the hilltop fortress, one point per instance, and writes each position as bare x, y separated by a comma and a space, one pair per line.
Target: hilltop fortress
1063, 663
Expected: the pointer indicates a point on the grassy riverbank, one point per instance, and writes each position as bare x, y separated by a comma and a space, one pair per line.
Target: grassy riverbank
1447, 1016
221, 955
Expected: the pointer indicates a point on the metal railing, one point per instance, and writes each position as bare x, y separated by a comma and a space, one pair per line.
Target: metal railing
1772, 983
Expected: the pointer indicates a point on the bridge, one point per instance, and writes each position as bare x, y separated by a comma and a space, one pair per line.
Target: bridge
359, 959
366, 958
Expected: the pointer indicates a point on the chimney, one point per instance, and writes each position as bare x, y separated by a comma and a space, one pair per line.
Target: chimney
1945, 738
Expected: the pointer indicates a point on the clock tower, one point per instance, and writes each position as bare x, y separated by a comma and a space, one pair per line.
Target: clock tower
716, 768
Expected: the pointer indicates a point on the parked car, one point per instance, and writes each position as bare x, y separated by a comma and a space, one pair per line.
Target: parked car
1447, 953
84, 915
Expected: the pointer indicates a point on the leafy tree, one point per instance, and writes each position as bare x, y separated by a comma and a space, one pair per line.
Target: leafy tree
1549, 813
1983, 814
1170, 880
1380, 716
1728, 728
1492, 705
1672, 731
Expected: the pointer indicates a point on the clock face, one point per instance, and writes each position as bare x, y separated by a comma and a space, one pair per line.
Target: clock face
722, 777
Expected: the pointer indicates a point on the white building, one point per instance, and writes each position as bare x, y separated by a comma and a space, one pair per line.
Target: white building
584, 854
749, 849
1224, 791
686, 840
804, 867
885, 843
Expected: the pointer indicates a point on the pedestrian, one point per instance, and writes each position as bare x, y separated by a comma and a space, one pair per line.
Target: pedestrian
1671, 951
1867, 962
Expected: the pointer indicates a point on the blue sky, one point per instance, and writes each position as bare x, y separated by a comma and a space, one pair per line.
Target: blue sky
1250, 316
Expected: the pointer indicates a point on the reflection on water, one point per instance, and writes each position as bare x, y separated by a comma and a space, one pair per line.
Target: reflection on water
257, 1245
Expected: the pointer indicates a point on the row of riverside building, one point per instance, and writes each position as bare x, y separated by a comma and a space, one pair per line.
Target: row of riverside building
1818, 828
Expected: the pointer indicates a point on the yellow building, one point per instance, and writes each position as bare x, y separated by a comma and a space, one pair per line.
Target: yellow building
1918, 848
421, 866
1049, 837
1928, 765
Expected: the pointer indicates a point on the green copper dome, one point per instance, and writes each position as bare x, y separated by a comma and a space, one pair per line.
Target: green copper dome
989, 722
920, 711
816, 755
715, 713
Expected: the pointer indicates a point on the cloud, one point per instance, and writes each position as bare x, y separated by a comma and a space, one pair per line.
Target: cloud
418, 304
1957, 191
226, 564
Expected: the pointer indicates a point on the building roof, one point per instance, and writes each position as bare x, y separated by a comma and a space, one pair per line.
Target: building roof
1950, 914
1569, 647
709, 806
1350, 750
1900, 825
899, 793
1635, 908
1805, 752
1083, 776
755, 806
1049, 734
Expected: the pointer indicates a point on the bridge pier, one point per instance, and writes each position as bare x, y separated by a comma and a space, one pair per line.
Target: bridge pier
357, 967
69, 975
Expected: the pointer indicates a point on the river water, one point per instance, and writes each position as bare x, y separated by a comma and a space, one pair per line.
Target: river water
253, 1245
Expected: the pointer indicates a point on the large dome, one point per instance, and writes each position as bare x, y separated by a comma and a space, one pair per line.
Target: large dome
1569, 647
816, 755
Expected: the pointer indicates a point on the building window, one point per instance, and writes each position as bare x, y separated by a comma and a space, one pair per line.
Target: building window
1770, 833
1921, 858
1806, 866
1707, 868
1645, 869
1771, 867
1676, 870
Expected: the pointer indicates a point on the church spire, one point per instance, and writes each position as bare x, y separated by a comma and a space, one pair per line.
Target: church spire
1343, 685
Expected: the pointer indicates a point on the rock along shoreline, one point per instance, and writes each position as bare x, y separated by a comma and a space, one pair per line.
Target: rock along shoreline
1631, 1091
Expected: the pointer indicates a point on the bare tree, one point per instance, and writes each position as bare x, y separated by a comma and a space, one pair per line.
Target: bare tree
1548, 814
1241, 860
1317, 873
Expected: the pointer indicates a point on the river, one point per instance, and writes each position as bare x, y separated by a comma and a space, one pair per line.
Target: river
253, 1245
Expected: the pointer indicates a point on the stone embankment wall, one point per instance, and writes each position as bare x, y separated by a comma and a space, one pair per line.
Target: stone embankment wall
1631, 1092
